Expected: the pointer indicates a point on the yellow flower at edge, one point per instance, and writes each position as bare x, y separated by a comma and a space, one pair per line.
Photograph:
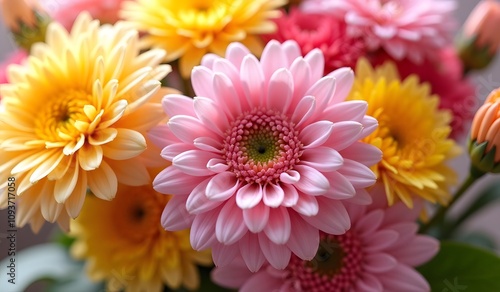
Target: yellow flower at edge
75, 116
413, 135
124, 243
189, 29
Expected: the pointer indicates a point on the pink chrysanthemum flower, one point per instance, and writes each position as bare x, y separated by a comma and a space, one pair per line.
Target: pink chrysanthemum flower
377, 254
403, 28
445, 75
265, 154
323, 32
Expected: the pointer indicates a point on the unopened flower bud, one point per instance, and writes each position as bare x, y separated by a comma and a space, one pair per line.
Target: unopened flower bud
479, 39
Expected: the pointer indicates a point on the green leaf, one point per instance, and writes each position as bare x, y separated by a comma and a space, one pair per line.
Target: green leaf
478, 239
462, 267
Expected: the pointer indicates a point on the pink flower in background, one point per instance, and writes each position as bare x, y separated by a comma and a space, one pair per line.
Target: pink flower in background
66, 12
377, 254
320, 31
16, 57
403, 28
445, 75
265, 155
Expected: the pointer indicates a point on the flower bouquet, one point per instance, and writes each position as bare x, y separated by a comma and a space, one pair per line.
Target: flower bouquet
248, 145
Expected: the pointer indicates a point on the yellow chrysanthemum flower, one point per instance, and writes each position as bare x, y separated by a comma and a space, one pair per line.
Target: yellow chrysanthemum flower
189, 29
74, 117
413, 134
125, 244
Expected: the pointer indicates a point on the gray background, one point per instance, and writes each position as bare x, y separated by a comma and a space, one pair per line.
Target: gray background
488, 220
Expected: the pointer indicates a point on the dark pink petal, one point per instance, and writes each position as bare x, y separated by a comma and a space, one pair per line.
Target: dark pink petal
262, 281
379, 263
420, 250
278, 226
256, 218
306, 205
368, 283
230, 226
403, 278
382, 240
223, 254
277, 255
175, 216
233, 276
370, 222
304, 238
251, 252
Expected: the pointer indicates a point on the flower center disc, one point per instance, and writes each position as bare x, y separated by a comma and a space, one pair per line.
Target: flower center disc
335, 267
261, 145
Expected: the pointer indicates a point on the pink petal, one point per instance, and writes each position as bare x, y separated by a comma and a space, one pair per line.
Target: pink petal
188, 128
278, 227
197, 201
382, 240
420, 250
321, 158
316, 134
208, 112
235, 53
172, 181
379, 263
312, 182
403, 278
362, 197
256, 218
301, 74
344, 79
358, 174
344, 134
304, 110
233, 276
175, 149
370, 124
201, 80
217, 165
323, 91
202, 233
280, 90
208, 144
316, 62
249, 195
291, 50
368, 283
251, 252
227, 96
304, 238
370, 222
262, 281
194, 162
272, 58
161, 136
222, 186
272, 195
332, 217
291, 195
229, 228
306, 205
223, 254
341, 187
177, 104
290, 177
277, 255
366, 154
175, 216
252, 79
352, 110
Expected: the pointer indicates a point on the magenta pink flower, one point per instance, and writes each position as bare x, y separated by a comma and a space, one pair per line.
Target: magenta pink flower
377, 254
65, 12
265, 155
403, 28
323, 32
445, 75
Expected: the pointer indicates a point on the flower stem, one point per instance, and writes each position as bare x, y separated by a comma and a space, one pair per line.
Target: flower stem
438, 217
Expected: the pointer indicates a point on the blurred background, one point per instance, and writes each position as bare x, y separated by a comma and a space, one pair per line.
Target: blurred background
486, 221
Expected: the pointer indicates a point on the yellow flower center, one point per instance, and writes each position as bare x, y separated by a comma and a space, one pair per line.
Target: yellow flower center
56, 120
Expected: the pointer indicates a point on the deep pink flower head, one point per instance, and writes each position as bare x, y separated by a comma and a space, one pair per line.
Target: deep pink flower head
66, 12
411, 29
265, 155
323, 32
377, 254
445, 75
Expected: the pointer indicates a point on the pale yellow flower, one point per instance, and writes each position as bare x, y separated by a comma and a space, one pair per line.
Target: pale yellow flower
189, 29
413, 135
126, 246
74, 117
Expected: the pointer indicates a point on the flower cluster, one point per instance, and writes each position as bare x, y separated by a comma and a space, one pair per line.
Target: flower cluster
254, 145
